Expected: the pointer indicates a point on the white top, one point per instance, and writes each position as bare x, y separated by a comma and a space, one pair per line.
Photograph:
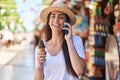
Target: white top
55, 68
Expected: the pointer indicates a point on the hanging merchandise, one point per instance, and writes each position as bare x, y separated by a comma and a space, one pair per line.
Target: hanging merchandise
111, 3
101, 28
95, 10
99, 11
118, 26
93, 6
73, 2
119, 7
97, 50
118, 20
99, 40
93, 0
118, 29
116, 10
109, 7
99, 57
82, 24
82, 19
112, 59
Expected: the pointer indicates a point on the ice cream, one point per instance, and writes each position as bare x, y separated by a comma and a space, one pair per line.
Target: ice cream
41, 46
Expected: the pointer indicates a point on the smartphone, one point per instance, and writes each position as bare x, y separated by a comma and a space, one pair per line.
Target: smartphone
65, 26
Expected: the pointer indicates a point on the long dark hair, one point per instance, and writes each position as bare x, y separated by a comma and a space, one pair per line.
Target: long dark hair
48, 36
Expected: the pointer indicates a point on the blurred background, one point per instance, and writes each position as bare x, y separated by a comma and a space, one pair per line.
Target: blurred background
98, 24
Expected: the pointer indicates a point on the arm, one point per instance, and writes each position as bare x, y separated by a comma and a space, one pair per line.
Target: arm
76, 52
38, 74
77, 62
39, 62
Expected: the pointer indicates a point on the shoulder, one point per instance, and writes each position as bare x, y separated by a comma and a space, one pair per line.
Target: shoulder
78, 44
76, 38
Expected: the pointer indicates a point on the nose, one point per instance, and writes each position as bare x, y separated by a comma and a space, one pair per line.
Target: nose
56, 19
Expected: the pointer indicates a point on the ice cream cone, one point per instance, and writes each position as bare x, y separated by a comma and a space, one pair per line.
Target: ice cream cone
42, 49
41, 46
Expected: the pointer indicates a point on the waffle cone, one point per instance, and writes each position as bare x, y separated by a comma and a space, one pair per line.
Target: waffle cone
42, 49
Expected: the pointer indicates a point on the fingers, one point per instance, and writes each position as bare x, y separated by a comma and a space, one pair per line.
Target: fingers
41, 57
69, 28
67, 24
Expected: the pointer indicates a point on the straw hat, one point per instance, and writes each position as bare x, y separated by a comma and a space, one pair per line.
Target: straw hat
58, 7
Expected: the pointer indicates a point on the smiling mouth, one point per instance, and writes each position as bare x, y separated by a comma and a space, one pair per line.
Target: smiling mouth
56, 25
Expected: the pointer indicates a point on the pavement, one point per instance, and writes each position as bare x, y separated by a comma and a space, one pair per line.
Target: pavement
8, 54
17, 62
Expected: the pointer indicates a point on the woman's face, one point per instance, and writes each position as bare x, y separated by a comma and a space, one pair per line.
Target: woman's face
56, 20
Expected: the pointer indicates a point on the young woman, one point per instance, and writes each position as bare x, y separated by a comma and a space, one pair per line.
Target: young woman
64, 57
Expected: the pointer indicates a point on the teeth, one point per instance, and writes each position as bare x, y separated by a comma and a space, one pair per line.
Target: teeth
56, 25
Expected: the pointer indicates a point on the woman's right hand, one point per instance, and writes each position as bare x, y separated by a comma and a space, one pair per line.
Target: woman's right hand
41, 57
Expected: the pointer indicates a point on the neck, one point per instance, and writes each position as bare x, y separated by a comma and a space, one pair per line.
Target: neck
57, 38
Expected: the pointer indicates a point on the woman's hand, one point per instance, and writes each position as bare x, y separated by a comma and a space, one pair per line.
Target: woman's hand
41, 57
69, 29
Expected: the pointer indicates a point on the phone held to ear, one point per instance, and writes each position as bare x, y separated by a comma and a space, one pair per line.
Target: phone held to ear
65, 26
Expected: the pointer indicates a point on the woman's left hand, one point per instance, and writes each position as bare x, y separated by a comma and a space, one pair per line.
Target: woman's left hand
69, 29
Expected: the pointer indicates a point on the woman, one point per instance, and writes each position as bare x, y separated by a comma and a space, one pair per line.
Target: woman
64, 57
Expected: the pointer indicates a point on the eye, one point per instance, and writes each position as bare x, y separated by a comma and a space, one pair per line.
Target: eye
62, 17
52, 16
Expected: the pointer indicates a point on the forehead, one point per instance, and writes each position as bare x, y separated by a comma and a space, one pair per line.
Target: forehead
58, 13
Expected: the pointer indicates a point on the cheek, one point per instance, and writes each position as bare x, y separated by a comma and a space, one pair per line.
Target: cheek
49, 22
62, 23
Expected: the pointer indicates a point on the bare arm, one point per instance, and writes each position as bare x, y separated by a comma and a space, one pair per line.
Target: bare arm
39, 69
38, 74
77, 62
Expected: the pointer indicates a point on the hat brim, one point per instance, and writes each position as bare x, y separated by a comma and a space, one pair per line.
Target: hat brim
44, 14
